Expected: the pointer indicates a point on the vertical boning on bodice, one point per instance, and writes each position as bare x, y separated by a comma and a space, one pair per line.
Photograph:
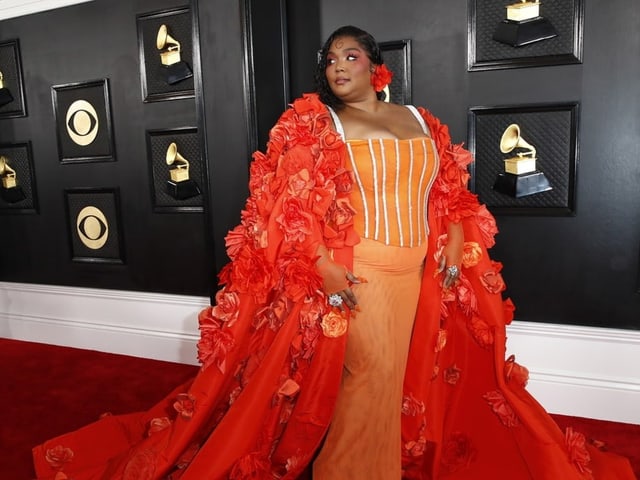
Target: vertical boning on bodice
393, 179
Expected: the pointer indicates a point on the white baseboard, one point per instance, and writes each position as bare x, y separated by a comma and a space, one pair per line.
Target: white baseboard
581, 371
149, 325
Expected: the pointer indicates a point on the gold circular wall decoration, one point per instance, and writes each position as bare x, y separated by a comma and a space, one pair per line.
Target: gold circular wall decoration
92, 227
82, 122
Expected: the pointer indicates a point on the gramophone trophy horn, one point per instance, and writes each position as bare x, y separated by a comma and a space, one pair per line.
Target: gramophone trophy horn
521, 177
180, 186
524, 25
181, 171
11, 191
174, 69
169, 47
511, 140
5, 94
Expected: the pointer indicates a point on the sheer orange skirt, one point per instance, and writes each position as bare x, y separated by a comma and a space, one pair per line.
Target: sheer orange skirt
364, 439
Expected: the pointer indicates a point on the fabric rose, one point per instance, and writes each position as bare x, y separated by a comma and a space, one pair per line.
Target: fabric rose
341, 213
58, 456
185, 405
461, 156
277, 139
508, 308
214, 345
330, 163
344, 182
294, 266
311, 336
300, 184
340, 238
501, 408
296, 224
381, 77
466, 296
308, 107
331, 139
493, 282
481, 332
158, 424
451, 174
142, 466
272, 315
415, 448
227, 307
411, 406
311, 311
471, 254
515, 372
289, 388
249, 273
452, 375
260, 172
263, 199
457, 452
321, 198
487, 225
578, 453
235, 241
461, 204
334, 324
251, 466
295, 160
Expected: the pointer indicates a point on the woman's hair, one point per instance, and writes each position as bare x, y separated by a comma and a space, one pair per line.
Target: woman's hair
365, 40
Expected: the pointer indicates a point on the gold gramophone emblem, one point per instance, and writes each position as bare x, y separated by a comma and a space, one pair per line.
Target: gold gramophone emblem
10, 192
169, 47
524, 10
522, 162
8, 174
174, 69
179, 185
523, 25
521, 176
181, 171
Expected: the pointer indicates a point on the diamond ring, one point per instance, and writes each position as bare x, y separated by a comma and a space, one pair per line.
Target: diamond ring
453, 271
335, 300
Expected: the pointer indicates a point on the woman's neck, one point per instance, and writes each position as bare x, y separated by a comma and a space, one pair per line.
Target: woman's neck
369, 105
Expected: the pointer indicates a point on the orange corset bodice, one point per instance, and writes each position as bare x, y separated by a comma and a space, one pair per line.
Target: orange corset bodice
392, 183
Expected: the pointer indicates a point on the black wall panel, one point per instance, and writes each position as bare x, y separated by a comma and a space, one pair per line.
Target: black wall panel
163, 252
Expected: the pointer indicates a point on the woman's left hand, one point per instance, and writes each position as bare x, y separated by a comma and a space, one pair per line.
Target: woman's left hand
451, 259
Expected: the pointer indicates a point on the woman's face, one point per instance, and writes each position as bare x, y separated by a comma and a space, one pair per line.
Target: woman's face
348, 70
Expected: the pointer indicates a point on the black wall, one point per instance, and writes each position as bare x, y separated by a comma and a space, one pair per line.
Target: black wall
582, 269
165, 252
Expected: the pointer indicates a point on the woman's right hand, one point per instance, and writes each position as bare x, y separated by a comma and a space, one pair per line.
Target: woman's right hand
336, 278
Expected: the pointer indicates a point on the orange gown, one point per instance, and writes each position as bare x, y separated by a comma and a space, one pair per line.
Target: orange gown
273, 351
393, 179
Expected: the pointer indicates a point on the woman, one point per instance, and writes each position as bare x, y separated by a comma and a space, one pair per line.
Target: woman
360, 327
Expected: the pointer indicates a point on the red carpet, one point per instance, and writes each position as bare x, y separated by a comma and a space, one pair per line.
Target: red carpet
48, 390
